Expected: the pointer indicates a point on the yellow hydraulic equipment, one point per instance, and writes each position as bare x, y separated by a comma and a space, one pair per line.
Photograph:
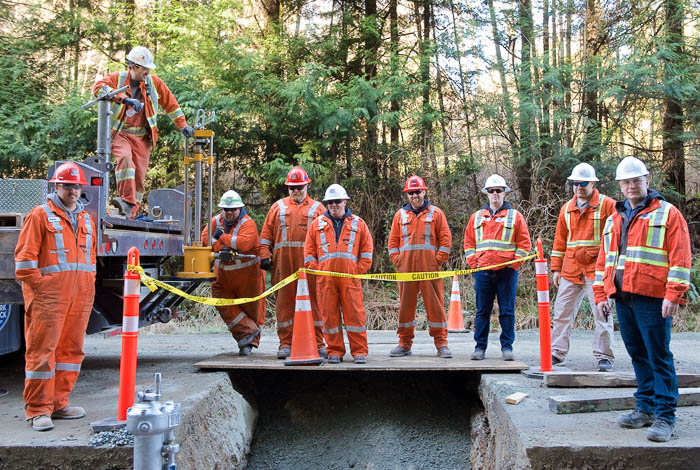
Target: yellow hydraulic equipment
198, 253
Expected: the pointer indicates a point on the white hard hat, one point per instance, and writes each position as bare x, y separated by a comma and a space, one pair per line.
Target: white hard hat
141, 56
495, 181
583, 172
630, 167
335, 191
231, 200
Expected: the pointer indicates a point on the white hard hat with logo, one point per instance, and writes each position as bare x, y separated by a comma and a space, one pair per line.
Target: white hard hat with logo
335, 191
141, 56
583, 172
495, 181
630, 167
231, 200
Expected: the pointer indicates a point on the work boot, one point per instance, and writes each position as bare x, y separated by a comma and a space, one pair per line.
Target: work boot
400, 351
245, 350
360, 359
557, 362
478, 355
283, 353
660, 431
332, 359
444, 352
323, 353
635, 420
124, 207
249, 339
605, 365
507, 355
69, 412
41, 423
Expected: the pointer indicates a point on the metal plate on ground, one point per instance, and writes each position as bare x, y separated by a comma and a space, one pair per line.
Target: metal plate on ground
375, 363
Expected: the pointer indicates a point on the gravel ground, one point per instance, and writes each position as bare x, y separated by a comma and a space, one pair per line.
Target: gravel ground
118, 438
364, 421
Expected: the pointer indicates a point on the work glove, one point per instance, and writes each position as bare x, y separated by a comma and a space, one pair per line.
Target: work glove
135, 104
217, 233
266, 264
187, 131
226, 255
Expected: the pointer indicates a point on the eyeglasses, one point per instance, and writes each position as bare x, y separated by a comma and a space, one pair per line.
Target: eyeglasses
297, 188
583, 184
75, 186
413, 193
231, 210
335, 201
495, 190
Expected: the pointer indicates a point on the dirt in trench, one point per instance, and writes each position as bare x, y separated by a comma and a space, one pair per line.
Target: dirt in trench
416, 420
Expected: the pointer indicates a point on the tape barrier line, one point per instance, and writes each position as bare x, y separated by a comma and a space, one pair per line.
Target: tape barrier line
154, 284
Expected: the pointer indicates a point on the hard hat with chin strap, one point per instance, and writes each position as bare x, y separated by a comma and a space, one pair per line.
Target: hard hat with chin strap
495, 181
334, 192
141, 56
630, 167
231, 200
583, 172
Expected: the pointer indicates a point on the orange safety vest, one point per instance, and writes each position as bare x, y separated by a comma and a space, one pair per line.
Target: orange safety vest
490, 240
346, 256
426, 233
217, 222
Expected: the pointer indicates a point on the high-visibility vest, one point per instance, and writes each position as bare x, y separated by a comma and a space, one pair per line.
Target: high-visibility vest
236, 263
406, 239
284, 240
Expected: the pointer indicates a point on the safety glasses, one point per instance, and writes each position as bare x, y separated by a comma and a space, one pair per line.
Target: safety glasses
413, 193
297, 188
75, 186
495, 190
335, 202
583, 184
231, 210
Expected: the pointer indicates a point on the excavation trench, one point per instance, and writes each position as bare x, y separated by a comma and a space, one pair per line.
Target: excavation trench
341, 420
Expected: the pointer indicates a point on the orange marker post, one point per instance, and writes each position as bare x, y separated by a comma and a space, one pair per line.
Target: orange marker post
130, 336
542, 276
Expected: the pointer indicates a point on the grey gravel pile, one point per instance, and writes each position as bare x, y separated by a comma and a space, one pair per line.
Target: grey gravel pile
119, 438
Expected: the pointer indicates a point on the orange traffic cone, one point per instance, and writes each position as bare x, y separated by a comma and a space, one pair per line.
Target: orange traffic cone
304, 351
455, 320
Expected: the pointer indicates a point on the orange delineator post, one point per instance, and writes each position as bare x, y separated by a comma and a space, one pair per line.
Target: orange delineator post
304, 352
542, 276
455, 319
130, 336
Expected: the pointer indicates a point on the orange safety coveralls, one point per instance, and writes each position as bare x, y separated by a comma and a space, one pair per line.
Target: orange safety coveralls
56, 266
577, 238
239, 278
134, 134
351, 254
282, 239
498, 238
420, 243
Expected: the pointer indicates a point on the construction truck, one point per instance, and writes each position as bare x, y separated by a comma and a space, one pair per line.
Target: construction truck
166, 233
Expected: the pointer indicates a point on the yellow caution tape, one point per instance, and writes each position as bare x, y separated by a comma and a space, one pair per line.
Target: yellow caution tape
154, 284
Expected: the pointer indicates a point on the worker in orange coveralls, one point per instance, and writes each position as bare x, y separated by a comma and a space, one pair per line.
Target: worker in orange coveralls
235, 239
282, 252
495, 234
420, 240
134, 123
340, 241
55, 262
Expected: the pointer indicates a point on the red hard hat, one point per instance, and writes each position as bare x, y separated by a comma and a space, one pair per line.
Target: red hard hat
68, 172
297, 176
414, 183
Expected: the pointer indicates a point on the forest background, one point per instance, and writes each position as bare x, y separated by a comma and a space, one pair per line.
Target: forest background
367, 92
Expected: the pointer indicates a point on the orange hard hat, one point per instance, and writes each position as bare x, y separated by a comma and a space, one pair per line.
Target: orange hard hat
68, 172
414, 183
297, 176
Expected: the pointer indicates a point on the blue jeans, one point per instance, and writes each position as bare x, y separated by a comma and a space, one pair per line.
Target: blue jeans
647, 336
488, 286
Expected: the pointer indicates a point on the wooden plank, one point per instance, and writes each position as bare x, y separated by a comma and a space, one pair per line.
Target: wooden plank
515, 398
607, 379
611, 401
259, 361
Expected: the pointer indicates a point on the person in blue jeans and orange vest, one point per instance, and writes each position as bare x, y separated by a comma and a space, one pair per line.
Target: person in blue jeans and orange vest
644, 264
495, 234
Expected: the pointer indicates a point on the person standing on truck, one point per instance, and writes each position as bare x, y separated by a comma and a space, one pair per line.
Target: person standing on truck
134, 123
340, 241
282, 251
495, 234
235, 239
644, 264
420, 241
55, 262
574, 253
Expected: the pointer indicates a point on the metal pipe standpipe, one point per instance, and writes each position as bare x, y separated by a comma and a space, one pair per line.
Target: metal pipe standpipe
153, 425
198, 253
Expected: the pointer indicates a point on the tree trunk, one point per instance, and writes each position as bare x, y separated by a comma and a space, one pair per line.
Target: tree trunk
593, 130
394, 105
371, 47
462, 81
441, 101
524, 162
